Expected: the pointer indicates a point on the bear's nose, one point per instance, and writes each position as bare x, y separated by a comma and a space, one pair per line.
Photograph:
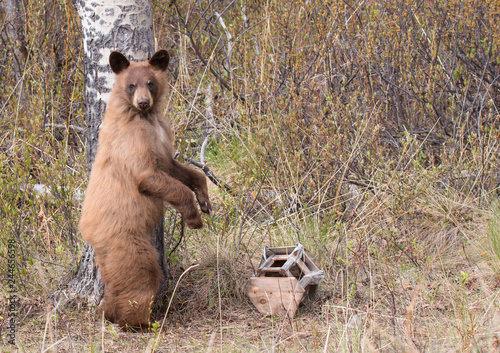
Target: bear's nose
143, 103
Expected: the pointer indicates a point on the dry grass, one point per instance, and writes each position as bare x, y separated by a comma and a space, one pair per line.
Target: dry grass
449, 302
369, 133
449, 313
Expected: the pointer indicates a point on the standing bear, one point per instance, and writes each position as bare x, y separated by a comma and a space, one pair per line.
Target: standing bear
134, 173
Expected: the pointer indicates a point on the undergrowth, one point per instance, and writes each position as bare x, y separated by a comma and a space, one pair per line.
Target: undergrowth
367, 131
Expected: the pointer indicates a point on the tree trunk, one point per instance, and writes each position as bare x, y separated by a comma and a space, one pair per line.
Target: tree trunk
109, 25
14, 27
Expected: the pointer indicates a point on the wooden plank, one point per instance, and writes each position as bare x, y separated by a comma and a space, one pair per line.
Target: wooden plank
280, 257
261, 272
282, 250
303, 267
276, 296
267, 262
309, 263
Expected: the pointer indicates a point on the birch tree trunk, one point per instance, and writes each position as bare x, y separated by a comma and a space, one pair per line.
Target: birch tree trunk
108, 25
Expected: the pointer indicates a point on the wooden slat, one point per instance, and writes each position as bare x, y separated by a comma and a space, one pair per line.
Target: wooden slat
303, 267
275, 296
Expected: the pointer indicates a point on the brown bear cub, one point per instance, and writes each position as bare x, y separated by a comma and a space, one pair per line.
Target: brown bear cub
134, 173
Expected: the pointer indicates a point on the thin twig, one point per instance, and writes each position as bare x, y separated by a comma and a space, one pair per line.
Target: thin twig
53, 345
172, 298
413, 302
222, 81
181, 236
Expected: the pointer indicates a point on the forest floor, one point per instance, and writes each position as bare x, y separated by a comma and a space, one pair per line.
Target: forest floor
429, 312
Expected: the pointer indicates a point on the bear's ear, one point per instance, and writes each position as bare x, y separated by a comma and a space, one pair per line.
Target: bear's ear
160, 60
118, 62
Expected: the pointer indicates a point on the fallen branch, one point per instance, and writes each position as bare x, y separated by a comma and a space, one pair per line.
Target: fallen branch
211, 176
62, 126
46, 191
204, 167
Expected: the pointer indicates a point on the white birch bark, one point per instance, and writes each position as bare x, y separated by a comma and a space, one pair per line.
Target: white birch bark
109, 25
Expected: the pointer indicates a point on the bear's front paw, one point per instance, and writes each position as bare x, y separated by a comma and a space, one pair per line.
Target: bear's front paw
206, 207
203, 201
194, 222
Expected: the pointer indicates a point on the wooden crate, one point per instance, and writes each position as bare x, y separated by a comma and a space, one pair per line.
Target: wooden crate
285, 277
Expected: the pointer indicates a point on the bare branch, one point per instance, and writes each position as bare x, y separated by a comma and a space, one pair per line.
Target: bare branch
228, 36
203, 148
203, 166
210, 175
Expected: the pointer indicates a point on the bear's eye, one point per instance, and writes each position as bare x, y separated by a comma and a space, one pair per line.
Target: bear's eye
131, 88
151, 85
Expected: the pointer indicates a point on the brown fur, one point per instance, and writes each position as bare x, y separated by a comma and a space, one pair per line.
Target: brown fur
134, 173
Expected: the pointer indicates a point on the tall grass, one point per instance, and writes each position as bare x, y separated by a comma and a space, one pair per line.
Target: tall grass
367, 131
493, 240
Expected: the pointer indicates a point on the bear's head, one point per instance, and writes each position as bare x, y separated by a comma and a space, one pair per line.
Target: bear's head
141, 84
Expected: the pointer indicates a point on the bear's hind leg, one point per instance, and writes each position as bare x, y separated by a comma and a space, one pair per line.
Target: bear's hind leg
108, 303
131, 279
108, 306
